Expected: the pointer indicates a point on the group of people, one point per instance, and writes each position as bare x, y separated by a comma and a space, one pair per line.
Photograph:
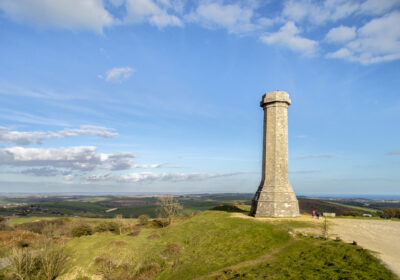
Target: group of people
315, 214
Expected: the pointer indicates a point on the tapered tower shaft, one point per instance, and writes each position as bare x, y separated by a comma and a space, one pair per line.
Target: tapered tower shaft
275, 196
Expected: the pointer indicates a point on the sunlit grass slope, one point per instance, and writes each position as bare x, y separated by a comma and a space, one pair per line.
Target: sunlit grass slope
214, 241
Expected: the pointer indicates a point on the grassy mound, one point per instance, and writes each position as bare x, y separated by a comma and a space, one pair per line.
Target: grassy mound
215, 245
308, 259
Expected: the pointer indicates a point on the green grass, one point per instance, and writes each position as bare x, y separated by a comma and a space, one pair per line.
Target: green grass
210, 241
214, 240
308, 259
364, 209
20, 220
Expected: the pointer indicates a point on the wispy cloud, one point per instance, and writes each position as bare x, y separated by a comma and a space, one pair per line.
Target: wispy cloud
288, 36
151, 177
67, 14
37, 137
233, 17
316, 156
377, 41
341, 34
83, 158
118, 74
149, 11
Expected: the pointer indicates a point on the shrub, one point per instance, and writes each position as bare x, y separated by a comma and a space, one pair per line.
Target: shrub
154, 235
392, 212
22, 244
159, 223
107, 226
135, 231
352, 213
40, 226
5, 227
81, 229
24, 265
110, 270
52, 262
47, 264
148, 271
143, 219
173, 249
168, 208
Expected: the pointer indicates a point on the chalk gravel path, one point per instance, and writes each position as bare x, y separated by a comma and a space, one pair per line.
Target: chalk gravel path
380, 236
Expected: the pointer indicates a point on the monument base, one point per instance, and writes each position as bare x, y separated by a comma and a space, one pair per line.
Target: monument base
274, 204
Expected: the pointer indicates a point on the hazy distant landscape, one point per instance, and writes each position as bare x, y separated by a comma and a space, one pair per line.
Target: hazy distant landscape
131, 206
211, 237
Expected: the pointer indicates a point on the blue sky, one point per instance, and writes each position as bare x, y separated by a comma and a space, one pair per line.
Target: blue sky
163, 95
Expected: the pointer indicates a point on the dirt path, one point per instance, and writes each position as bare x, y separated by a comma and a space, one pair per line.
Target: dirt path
259, 260
379, 236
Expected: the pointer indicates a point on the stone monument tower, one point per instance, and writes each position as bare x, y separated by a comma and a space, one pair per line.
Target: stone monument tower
275, 196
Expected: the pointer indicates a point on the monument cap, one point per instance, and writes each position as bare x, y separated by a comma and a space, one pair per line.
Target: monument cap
275, 96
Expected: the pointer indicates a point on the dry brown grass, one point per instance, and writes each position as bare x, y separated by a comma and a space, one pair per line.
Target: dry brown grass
13, 239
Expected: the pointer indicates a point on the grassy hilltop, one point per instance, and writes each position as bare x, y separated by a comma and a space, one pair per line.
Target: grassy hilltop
205, 245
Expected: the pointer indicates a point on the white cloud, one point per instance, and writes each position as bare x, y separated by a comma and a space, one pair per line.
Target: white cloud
149, 11
118, 74
233, 17
341, 34
149, 177
21, 138
376, 41
36, 137
68, 14
41, 172
95, 130
287, 36
83, 158
378, 7
318, 12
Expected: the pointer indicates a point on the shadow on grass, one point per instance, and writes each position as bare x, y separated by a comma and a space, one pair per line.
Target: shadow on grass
228, 208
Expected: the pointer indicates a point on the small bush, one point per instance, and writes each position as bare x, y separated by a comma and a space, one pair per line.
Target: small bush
5, 227
148, 271
40, 226
110, 270
24, 265
228, 208
154, 235
352, 213
135, 231
81, 229
143, 219
22, 244
46, 264
52, 262
392, 212
173, 249
197, 212
160, 223
107, 226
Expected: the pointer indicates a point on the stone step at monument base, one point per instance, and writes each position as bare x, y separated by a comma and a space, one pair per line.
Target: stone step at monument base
275, 209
